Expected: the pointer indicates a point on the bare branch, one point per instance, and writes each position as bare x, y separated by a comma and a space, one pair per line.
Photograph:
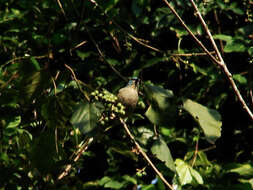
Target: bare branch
220, 60
138, 40
144, 154
191, 33
103, 57
222, 63
190, 54
62, 10
78, 154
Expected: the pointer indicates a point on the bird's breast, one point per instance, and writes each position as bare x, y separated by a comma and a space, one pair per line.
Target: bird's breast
128, 96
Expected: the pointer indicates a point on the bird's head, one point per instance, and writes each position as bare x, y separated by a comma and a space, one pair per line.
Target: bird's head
134, 82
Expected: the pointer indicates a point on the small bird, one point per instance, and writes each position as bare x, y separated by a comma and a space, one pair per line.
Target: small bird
128, 95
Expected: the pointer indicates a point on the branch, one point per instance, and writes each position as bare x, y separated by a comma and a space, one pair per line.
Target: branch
191, 33
62, 10
101, 55
222, 63
144, 154
190, 54
78, 154
78, 81
138, 40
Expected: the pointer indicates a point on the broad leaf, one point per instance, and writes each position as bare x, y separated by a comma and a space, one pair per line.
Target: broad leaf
245, 170
163, 108
187, 175
208, 119
155, 116
108, 182
85, 116
158, 95
241, 79
162, 152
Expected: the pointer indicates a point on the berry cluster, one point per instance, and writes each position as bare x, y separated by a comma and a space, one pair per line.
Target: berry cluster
111, 105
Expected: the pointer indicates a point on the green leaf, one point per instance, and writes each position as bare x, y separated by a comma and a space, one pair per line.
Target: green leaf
158, 95
130, 179
148, 187
162, 152
85, 116
108, 182
33, 82
163, 108
245, 170
154, 116
13, 122
223, 37
241, 79
235, 8
187, 175
208, 119
35, 63
235, 46
83, 55
145, 134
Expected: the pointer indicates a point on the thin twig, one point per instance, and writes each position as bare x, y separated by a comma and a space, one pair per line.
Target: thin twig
56, 140
251, 96
144, 154
78, 154
24, 57
219, 31
190, 54
55, 88
62, 10
138, 40
207, 149
195, 153
13, 77
221, 62
103, 57
77, 46
191, 33
77, 82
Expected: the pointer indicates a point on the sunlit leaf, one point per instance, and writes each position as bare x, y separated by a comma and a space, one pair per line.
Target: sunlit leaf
208, 119
13, 122
223, 37
108, 182
241, 79
163, 108
241, 169
187, 175
162, 152
235, 46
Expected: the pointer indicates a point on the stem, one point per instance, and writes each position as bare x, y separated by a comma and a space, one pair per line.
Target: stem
222, 63
191, 33
78, 154
144, 154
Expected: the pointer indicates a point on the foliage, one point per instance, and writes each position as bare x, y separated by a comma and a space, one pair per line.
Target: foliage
63, 61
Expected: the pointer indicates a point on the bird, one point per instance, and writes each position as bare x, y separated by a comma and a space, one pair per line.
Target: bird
128, 95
